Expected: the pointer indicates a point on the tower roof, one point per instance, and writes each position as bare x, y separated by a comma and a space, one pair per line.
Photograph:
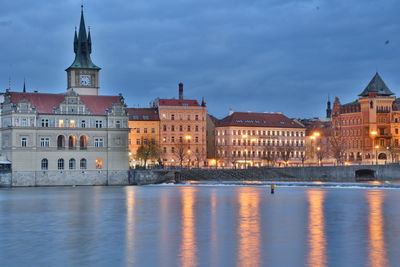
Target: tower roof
377, 86
82, 48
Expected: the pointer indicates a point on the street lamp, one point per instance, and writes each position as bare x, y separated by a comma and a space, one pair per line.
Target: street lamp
376, 154
314, 136
245, 150
374, 133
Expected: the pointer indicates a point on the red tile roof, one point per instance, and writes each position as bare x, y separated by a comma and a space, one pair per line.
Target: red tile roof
178, 102
250, 119
44, 103
143, 114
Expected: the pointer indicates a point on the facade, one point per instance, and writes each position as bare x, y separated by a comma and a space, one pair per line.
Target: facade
144, 128
259, 139
71, 136
367, 129
182, 131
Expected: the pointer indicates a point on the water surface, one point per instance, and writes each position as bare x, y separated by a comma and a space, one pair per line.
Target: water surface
198, 225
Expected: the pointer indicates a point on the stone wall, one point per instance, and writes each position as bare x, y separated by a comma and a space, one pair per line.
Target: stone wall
66, 177
5, 179
143, 177
329, 173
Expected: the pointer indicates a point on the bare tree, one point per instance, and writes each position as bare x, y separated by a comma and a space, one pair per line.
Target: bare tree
181, 153
337, 143
285, 153
199, 156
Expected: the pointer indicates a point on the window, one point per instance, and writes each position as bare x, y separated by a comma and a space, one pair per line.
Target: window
99, 164
173, 149
118, 124
83, 142
23, 122
60, 164
180, 128
45, 122
24, 142
98, 142
172, 139
99, 124
83, 164
153, 130
60, 141
44, 164
164, 128
196, 117
164, 150
172, 117
188, 128
188, 117
72, 164
137, 130
196, 139
145, 130
60, 123
172, 128
196, 128
72, 123
396, 131
44, 142
83, 124
71, 142
138, 141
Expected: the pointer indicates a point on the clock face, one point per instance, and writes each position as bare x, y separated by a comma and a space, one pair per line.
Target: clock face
85, 80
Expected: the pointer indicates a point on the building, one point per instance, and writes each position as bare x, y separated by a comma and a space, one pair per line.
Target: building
144, 128
259, 139
182, 131
74, 137
210, 139
366, 131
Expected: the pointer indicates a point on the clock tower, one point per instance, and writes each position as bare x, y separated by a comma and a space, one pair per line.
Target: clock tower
83, 74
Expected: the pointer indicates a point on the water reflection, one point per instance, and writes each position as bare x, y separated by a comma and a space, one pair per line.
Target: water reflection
130, 224
188, 244
214, 226
248, 231
316, 228
377, 251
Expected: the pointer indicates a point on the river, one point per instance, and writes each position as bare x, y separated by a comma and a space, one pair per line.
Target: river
200, 225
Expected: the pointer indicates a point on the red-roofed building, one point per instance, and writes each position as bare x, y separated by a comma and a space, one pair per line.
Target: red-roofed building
182, 131
78, 137
259, 139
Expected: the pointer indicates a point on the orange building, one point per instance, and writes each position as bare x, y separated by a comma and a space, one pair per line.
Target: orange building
182, 131
368, 128
144, 125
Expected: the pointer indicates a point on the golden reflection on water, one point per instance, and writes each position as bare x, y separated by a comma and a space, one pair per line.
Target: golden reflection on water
316, 228
377, 250
214, 226
129, 224
188, 245
248, 230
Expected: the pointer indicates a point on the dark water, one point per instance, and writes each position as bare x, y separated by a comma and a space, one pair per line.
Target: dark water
199, 226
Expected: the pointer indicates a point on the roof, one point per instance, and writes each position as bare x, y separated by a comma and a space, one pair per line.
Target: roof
354, 103
251, 119
45, 103
143, 114
378, 86
178, 102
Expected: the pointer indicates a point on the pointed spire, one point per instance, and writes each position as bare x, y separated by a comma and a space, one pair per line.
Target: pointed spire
24, 89
203, 103
83, 47
328, 108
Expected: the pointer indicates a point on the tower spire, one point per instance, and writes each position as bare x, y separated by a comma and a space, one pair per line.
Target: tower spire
24, 89
328, 108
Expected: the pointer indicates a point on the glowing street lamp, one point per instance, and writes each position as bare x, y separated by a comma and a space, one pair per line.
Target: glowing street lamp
376, 154
316, 134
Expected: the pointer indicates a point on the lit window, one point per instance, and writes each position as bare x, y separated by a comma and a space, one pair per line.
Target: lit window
60, 123
99, 164
72, 123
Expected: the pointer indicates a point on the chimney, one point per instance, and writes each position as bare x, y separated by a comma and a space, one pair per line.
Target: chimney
180, 91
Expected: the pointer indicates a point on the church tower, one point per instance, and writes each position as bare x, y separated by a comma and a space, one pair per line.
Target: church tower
83, 74
328, 109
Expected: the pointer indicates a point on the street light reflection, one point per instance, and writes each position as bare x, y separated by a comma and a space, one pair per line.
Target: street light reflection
188, 249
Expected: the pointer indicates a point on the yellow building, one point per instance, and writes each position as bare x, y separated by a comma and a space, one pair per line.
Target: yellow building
182, 131
144, 125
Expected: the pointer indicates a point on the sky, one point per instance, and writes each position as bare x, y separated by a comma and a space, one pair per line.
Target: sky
251, 55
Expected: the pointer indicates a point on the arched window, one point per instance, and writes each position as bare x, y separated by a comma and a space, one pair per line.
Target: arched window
44, 164
83, 142
60, 164
60, 142
83, 164
72, 164
71, 142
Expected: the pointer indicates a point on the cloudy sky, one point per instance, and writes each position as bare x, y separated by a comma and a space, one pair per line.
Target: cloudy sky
246, 55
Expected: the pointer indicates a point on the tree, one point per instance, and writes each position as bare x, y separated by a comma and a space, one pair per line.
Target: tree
285, 153
337, 143
181, 153
199, 156
148, 150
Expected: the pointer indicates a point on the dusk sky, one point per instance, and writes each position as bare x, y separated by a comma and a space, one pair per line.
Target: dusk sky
255, 55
